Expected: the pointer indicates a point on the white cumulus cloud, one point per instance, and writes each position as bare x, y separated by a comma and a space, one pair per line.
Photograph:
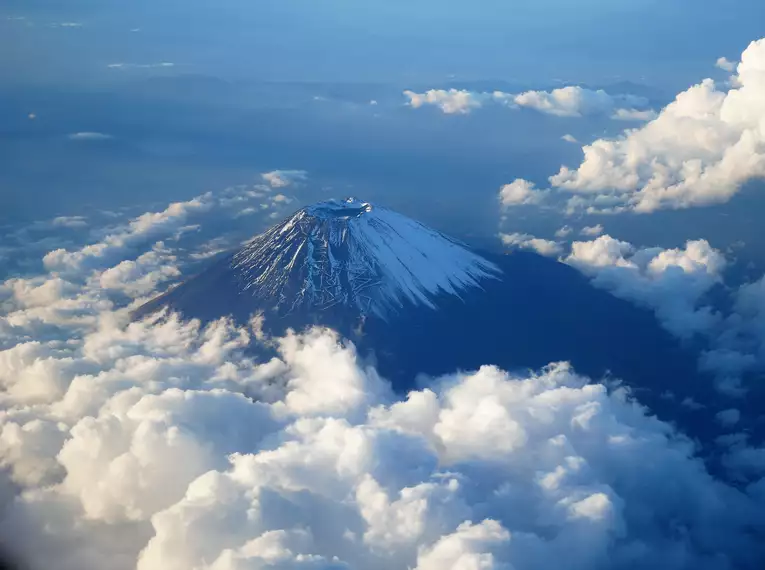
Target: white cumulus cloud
164, 444
520, 193
571, 101
451, 101
591, 231
526, 241
672, 282
725, 64
700, 150
575, 101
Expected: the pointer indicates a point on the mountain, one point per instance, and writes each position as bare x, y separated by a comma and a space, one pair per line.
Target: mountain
364, 258
338, 262
418, 301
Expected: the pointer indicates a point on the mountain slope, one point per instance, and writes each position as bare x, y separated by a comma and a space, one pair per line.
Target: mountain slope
419, 302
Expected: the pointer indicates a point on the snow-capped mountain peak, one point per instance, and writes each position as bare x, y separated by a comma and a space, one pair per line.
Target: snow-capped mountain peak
355, 254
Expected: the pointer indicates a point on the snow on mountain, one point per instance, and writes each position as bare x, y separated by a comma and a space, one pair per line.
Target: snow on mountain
358, 255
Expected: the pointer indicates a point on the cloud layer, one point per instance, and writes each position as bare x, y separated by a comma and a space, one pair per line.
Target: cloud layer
162, 445
571, 101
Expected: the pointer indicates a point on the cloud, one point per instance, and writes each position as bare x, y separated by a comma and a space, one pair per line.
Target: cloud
570, 138
89, 136
69, 222
575, 101
672, 282
178, 221
140, 65
699, 151
677, 285
139, 277
284, 178
544, 247
740, 346
137, 232
520, 193
571, 101
728, 417
591, 231
725, 64
634, 115
452, 101
563, 232
164, 444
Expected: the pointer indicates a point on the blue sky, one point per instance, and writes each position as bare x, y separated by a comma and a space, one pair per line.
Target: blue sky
196, 95
666, 42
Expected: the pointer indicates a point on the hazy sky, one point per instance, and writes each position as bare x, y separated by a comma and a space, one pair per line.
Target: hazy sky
185, 93
667, 42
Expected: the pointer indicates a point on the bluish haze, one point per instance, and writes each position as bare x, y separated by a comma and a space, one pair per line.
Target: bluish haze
619, 143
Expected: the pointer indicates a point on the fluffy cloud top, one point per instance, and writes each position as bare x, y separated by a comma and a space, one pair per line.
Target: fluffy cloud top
571, 101
575, 101
700, 150
452, 101
595, 230
162, 445
520, 193
673, 282
725, 64
156, 458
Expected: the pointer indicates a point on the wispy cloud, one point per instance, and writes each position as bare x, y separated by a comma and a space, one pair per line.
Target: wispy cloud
725, 64
89, 136
284, 178
140, 65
